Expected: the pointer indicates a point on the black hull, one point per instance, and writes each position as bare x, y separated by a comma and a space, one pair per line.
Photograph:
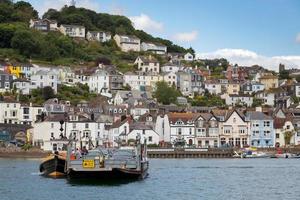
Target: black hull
53, 167
115, 174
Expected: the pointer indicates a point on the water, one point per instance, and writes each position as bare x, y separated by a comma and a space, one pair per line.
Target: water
169, 179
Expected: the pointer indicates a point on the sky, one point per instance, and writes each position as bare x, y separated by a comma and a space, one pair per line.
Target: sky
246, 32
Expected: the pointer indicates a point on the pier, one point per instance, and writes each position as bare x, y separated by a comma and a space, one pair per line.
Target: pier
189, 153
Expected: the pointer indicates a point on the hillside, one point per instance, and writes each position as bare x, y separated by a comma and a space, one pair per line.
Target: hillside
19, 43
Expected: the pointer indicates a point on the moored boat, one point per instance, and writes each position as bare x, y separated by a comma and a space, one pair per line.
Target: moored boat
109, 163
54, 165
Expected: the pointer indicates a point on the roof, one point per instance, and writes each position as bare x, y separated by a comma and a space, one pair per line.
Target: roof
173, 117
148, 59
268, 77
139, 126
71, 25
278, 123
258, 116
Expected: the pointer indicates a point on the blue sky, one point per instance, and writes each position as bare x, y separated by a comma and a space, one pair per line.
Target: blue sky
264, 29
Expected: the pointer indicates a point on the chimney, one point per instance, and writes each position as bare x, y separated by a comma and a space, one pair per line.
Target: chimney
258, 109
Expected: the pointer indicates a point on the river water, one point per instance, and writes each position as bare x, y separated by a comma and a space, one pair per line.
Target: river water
236, 179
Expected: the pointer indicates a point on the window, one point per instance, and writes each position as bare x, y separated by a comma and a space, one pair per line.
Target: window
277, 135
150, 139
266, 123
288, 127
190, 131
26, 111
179, 131
52, 125
244, 141
74, 125
86, 125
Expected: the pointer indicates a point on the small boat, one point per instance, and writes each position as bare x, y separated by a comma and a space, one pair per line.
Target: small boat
54, 165
109, 163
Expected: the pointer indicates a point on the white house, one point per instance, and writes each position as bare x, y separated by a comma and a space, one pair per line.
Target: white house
267, 97
141, 80
99, 36
99, 82
170, 78
22, 86
10, 112
234, 130
213, 87
43, 79
284, 126
138, 111
242, 99
184, 83
128, 43
74, 31
162, 126
188, 57
182, 128
147, 64
155, 48
144, 131
169, 67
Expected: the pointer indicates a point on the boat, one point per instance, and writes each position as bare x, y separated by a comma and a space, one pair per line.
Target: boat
54, 165
250, 153
109, 163
280, 154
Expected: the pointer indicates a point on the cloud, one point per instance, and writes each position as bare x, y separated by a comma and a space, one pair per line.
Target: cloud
43, 5
186, 36
247, 58
117, 10
298, 38
144, 22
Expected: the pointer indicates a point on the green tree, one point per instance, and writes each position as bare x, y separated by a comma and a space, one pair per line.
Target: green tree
48, 93
25, 42
284, 75
257, 102
165, 94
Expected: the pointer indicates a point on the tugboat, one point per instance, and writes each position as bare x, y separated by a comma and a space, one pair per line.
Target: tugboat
105, 163
54, 165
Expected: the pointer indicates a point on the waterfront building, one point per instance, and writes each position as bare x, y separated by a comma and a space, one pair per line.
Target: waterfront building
234, 129
207, 131
261, 130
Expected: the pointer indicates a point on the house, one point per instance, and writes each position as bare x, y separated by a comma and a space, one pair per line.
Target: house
43, 78
252, 87
169, 67
182, 128
128, 42
140, 81
235, 73
297, 90
74, 31
118, 132
233, 88
213, 87
262, 133
10, 112
196, 79
188, 57
6, 81
99, 82
23, 86
239, 99
170, 78
184, 81
269, 80
147, 64
283, 101
207, 130
154, 48
267, 97
67, 76
162, 126
284, 131
146, 133
99, 36
138, 111
234, 129
44, 25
